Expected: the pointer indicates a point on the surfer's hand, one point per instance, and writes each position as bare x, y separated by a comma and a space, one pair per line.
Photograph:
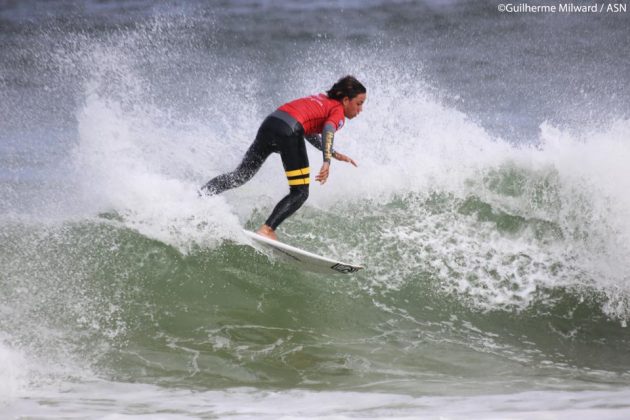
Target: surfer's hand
344, 158
322, 176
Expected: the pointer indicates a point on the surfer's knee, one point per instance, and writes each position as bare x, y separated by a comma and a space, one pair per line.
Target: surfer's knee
300, 192
241, 175
236, 178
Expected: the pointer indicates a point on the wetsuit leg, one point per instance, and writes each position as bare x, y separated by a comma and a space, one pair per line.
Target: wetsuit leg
255, 156
295, 161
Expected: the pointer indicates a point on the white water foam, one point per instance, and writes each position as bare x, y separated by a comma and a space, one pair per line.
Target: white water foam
141, 162
576, 181
111, 400
13, 374
117, 156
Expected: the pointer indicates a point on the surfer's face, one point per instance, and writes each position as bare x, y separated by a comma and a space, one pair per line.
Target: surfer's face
353, 107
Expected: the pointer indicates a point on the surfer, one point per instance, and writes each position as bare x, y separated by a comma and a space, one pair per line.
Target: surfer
315, 118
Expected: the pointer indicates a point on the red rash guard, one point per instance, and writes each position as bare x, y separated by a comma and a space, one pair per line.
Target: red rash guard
314, 112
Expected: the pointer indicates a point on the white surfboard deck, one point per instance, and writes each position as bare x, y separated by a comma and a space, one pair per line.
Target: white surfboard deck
304, 259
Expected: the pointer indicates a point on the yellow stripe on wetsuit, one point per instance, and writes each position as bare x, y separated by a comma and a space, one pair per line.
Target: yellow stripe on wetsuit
299, 176
303, 171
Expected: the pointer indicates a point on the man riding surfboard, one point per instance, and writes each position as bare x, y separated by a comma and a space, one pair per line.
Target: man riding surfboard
284, 131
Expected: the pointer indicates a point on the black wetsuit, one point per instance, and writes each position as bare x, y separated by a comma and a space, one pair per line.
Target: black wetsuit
279, 133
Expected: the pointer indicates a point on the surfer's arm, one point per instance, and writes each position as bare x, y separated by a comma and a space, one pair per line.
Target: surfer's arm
328, 137
315, 140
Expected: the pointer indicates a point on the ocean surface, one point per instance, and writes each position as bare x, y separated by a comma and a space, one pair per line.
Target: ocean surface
491, 207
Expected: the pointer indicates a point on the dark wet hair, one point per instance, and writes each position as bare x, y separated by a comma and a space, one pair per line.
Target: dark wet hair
346, 86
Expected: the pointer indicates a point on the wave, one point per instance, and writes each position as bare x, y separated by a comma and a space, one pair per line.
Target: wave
474, 243
97, 296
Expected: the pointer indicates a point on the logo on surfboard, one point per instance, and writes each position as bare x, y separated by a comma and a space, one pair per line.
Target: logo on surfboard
343, 268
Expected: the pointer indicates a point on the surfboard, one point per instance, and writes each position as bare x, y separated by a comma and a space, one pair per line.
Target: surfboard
304, 259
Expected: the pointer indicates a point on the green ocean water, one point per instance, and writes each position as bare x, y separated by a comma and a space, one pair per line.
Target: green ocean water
117, 302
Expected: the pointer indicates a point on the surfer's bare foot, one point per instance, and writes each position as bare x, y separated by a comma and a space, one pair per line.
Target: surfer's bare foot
267, 232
